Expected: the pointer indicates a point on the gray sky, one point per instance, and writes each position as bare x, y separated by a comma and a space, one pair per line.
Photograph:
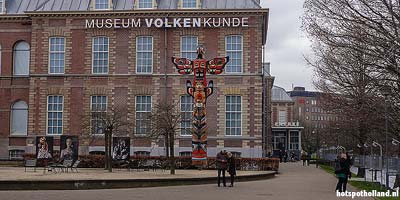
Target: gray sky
287, 44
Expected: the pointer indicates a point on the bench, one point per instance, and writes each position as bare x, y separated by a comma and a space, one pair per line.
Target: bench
30, 163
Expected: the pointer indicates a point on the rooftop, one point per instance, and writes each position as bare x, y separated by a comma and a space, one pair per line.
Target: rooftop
280, 95
21, 6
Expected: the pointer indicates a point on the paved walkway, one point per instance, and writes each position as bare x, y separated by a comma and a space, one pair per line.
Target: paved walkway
295, 182
17, 173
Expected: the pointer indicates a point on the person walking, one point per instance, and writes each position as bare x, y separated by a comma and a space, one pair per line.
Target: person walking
304, 157
231, 167
221, 166
342, 171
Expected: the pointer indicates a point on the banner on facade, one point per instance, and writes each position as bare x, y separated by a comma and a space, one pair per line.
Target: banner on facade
44, 147
121, 148
69, 147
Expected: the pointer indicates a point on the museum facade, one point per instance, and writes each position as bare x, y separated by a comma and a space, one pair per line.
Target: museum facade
61, 60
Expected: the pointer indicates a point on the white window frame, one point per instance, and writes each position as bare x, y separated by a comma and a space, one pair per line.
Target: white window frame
226, 52
182, 113
47, 115
138, 5
13, 157
95, 3
187, 52
145, 51
285, 115
183, 5
56, 52
136, 111
241, 116
108, 54
96, 111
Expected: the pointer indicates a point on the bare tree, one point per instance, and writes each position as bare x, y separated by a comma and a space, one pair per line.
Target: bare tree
165, 120
105, 124
356, 45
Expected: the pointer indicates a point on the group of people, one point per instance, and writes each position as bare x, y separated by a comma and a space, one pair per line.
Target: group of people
225, 161
343, 164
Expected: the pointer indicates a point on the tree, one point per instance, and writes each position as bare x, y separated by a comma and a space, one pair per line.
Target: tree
356, 46
108, 122
165, 120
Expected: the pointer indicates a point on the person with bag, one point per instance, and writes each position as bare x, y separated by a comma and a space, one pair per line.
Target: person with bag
342, 171
231, 167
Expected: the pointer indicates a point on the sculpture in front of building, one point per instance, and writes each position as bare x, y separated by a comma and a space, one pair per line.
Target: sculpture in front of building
199, 89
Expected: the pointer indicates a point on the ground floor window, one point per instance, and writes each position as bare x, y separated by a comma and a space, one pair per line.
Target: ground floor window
142, 153
294, 141
16, 154
185, 154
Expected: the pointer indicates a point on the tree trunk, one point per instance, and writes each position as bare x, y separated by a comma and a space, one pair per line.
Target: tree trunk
105, 151
166, 144
172, 156
109, 152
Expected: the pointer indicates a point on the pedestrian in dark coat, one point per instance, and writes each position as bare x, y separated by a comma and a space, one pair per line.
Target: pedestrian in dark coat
342, 171
231, 168
222, 164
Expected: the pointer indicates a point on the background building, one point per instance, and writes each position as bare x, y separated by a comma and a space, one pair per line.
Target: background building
61, 60
286, 131
308, 110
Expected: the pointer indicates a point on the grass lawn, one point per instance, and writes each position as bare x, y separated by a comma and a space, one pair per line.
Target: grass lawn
361, 185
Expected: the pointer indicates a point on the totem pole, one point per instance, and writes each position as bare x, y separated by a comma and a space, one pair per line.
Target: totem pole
199, 90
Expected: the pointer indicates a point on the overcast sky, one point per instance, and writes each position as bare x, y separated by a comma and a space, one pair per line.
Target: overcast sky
287, 44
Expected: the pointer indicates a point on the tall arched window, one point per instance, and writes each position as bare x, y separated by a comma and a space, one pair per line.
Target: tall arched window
21, 58
19, 118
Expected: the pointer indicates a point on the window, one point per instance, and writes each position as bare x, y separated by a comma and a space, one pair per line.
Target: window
307, 118
145, 4
282, 117
233, 115
185, 154
101, 5
55, 115
236, 154
100, 55
313, 102
144, 55
0, 58
57, 55
186, 115
307, 109
142, 153
1, 6
189, 47
294, 141
143, 110
98, 108
16, 154
235, 53
19, 118
189, 3
21, 58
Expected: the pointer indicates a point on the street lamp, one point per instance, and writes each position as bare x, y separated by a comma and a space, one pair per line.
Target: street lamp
375, 144
385, 92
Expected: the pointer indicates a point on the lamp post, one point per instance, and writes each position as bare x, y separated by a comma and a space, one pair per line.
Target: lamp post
386, 92
375, 144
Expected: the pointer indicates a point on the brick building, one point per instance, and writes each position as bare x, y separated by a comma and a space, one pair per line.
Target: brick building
308, 110
60, 60
286, 131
